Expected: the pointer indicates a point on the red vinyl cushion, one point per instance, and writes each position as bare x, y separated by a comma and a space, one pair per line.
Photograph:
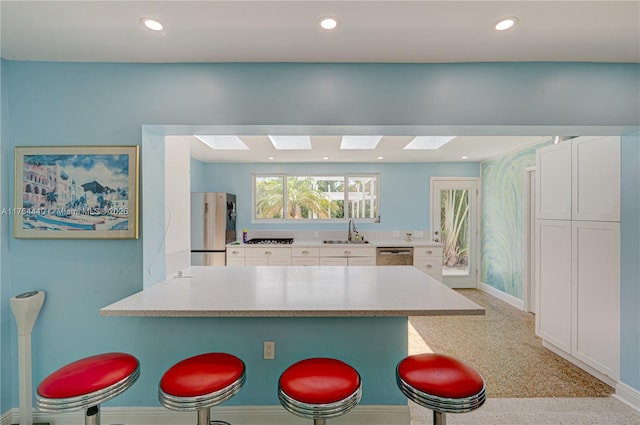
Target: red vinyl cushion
202, 374
319, 381
440, 375
88, 375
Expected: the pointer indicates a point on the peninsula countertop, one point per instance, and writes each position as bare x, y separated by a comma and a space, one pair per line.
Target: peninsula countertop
296, 291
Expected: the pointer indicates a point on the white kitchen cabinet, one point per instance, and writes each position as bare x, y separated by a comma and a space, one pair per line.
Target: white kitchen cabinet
429, 260
553, 165
235, 256
578, 255
348, 256
553, 265
596, 295
301, 256
268, 256
596, 178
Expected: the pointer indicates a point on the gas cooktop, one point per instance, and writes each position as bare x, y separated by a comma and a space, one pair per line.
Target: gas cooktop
270, 241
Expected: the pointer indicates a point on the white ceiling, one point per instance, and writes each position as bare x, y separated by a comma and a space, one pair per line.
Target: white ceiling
286, 31
390, 148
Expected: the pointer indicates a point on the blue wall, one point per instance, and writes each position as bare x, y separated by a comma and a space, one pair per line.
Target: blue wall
404, 190
109, 104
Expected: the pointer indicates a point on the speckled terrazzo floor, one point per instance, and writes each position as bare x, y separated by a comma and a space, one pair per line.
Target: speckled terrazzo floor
503, 347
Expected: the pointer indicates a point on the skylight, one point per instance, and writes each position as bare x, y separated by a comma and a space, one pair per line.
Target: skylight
291, 142
228, 143
429, 142
359, 142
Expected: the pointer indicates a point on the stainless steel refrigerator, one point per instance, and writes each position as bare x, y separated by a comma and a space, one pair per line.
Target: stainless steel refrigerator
213, 225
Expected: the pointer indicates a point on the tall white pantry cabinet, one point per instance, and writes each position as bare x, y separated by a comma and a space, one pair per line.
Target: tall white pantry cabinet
578, 252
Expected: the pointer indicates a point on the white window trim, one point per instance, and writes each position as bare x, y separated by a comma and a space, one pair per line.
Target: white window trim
346, 176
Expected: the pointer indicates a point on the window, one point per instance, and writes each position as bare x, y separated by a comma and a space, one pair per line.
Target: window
318, 198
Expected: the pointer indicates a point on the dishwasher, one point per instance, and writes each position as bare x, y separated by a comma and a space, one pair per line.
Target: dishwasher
390, 256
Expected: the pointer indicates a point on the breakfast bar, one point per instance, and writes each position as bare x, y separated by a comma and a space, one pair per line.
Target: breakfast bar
356, 314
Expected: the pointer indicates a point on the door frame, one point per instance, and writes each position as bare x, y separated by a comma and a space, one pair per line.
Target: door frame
529, 212
475, 252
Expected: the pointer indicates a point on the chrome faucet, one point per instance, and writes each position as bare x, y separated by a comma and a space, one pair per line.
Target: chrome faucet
352, 230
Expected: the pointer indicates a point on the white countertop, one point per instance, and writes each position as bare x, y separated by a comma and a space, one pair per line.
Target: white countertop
396, 242
296, 292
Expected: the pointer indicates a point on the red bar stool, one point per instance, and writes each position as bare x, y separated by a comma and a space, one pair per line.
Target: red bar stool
319, 389
440, 383
200, 382
87, 383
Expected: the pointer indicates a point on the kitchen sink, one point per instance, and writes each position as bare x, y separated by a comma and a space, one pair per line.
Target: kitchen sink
343, 241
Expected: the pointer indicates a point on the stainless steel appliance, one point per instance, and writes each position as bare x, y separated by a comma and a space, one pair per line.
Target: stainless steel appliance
392, 256
213, 225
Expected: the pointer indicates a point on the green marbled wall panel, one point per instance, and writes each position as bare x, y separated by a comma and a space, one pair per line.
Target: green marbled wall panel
502, 243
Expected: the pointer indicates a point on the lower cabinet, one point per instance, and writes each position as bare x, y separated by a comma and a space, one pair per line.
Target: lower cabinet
348, 256
235, 256
429, 260
305, 256
578, 277
267, 256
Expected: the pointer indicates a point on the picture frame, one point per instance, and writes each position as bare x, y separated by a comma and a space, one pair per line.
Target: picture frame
76, 192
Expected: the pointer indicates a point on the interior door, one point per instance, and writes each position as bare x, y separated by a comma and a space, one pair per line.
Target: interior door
454, 224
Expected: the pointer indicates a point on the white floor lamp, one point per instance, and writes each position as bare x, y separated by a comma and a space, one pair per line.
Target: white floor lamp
26, 307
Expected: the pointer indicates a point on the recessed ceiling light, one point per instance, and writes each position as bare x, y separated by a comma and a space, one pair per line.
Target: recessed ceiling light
381, 157
505, 24
223, 143
429, 142
151, 24
465, 157
325, 157
270, 158
329, 23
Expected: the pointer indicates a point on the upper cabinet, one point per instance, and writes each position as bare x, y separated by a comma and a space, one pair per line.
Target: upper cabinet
596, 178
553, 199
579, 180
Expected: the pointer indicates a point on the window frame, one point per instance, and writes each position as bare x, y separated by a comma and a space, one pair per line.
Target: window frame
285, 176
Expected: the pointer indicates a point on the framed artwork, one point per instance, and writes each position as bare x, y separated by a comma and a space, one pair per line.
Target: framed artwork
76, 192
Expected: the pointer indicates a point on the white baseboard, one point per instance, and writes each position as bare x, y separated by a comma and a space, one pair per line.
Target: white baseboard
627, 395
237, 415
568, 357
502, 296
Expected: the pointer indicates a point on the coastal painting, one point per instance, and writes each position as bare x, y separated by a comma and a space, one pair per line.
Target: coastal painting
76, 192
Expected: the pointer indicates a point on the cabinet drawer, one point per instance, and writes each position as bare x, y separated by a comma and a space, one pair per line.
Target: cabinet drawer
334, 261
304, 261
430, 266
268, 252
348, 252
305, 252
256, 261
427, 251
362, 261
235, 252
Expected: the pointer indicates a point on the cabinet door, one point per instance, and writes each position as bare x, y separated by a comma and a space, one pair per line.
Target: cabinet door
553, 276
431, 266
362, 261
553, 182
305, 261
256, 261
596, 178
596, 295
235, 261
333, 261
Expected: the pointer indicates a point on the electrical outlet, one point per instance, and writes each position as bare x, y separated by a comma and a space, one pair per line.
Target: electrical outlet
396, 233
269, 350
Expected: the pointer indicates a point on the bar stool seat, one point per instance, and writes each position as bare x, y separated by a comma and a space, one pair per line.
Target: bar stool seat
200, 382
86, 383
319, 388
440, 383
